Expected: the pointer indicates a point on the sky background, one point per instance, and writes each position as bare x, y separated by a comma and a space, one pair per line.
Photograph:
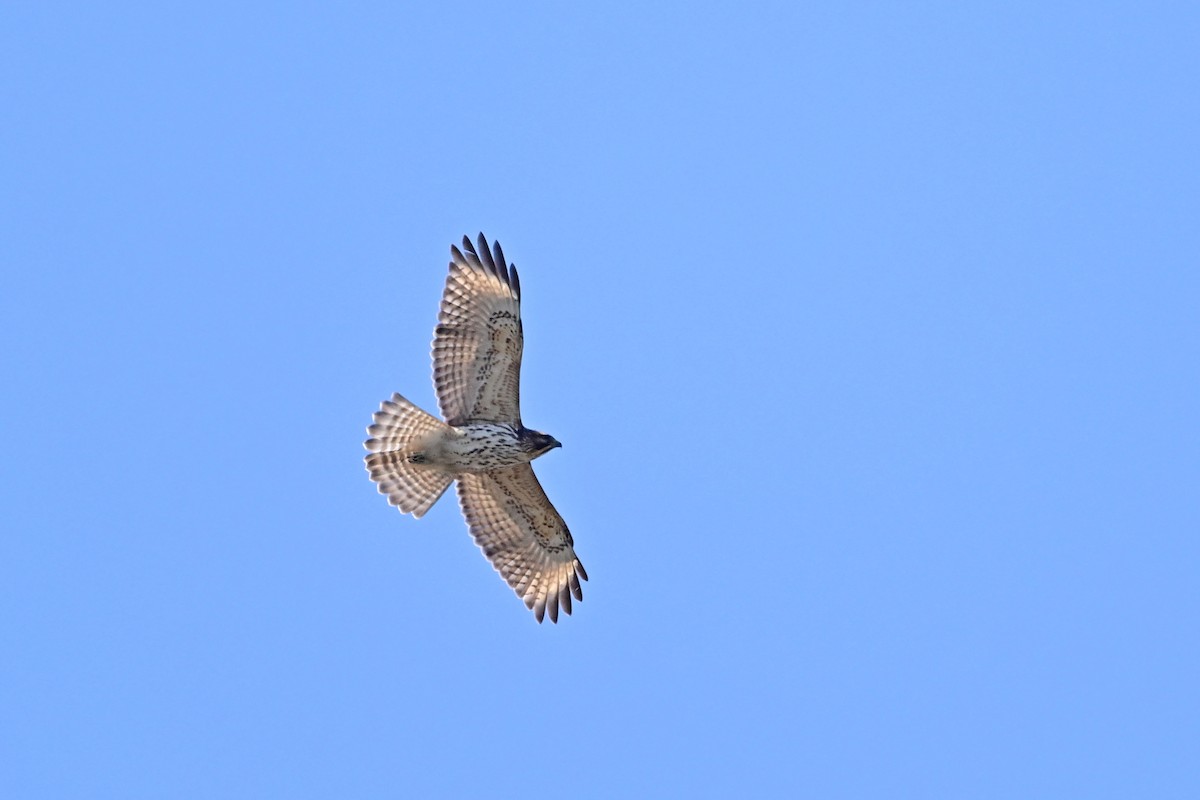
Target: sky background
870, 331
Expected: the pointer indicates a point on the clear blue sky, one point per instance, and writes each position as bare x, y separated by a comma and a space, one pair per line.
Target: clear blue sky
871, 332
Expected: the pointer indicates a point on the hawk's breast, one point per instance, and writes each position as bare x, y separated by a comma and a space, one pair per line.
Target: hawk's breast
483, 446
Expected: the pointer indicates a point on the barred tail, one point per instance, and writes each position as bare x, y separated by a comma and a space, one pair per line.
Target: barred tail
398, 435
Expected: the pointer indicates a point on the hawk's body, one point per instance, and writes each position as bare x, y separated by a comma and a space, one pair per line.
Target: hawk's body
482, 444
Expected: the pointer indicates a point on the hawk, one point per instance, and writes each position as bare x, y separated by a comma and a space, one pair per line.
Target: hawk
482, 444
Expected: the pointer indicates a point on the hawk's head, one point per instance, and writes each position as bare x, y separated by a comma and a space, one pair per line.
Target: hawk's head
536, 443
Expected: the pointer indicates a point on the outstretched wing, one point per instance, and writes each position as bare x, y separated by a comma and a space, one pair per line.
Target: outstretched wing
478, 340
526, 540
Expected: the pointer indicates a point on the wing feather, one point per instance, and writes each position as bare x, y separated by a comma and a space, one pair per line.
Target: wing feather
478, 341
524, 538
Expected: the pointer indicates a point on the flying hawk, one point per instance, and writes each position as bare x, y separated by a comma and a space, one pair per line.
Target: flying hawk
482, 444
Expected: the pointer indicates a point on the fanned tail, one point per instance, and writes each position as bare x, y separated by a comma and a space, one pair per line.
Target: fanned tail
397, 438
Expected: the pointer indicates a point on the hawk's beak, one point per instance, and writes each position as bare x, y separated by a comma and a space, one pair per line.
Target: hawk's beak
556, 443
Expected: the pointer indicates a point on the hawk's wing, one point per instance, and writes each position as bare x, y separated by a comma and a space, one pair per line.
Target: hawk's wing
526, 540
478, 340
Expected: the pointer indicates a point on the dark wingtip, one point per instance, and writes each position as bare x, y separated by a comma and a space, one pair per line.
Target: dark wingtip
501, 264
485, 257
